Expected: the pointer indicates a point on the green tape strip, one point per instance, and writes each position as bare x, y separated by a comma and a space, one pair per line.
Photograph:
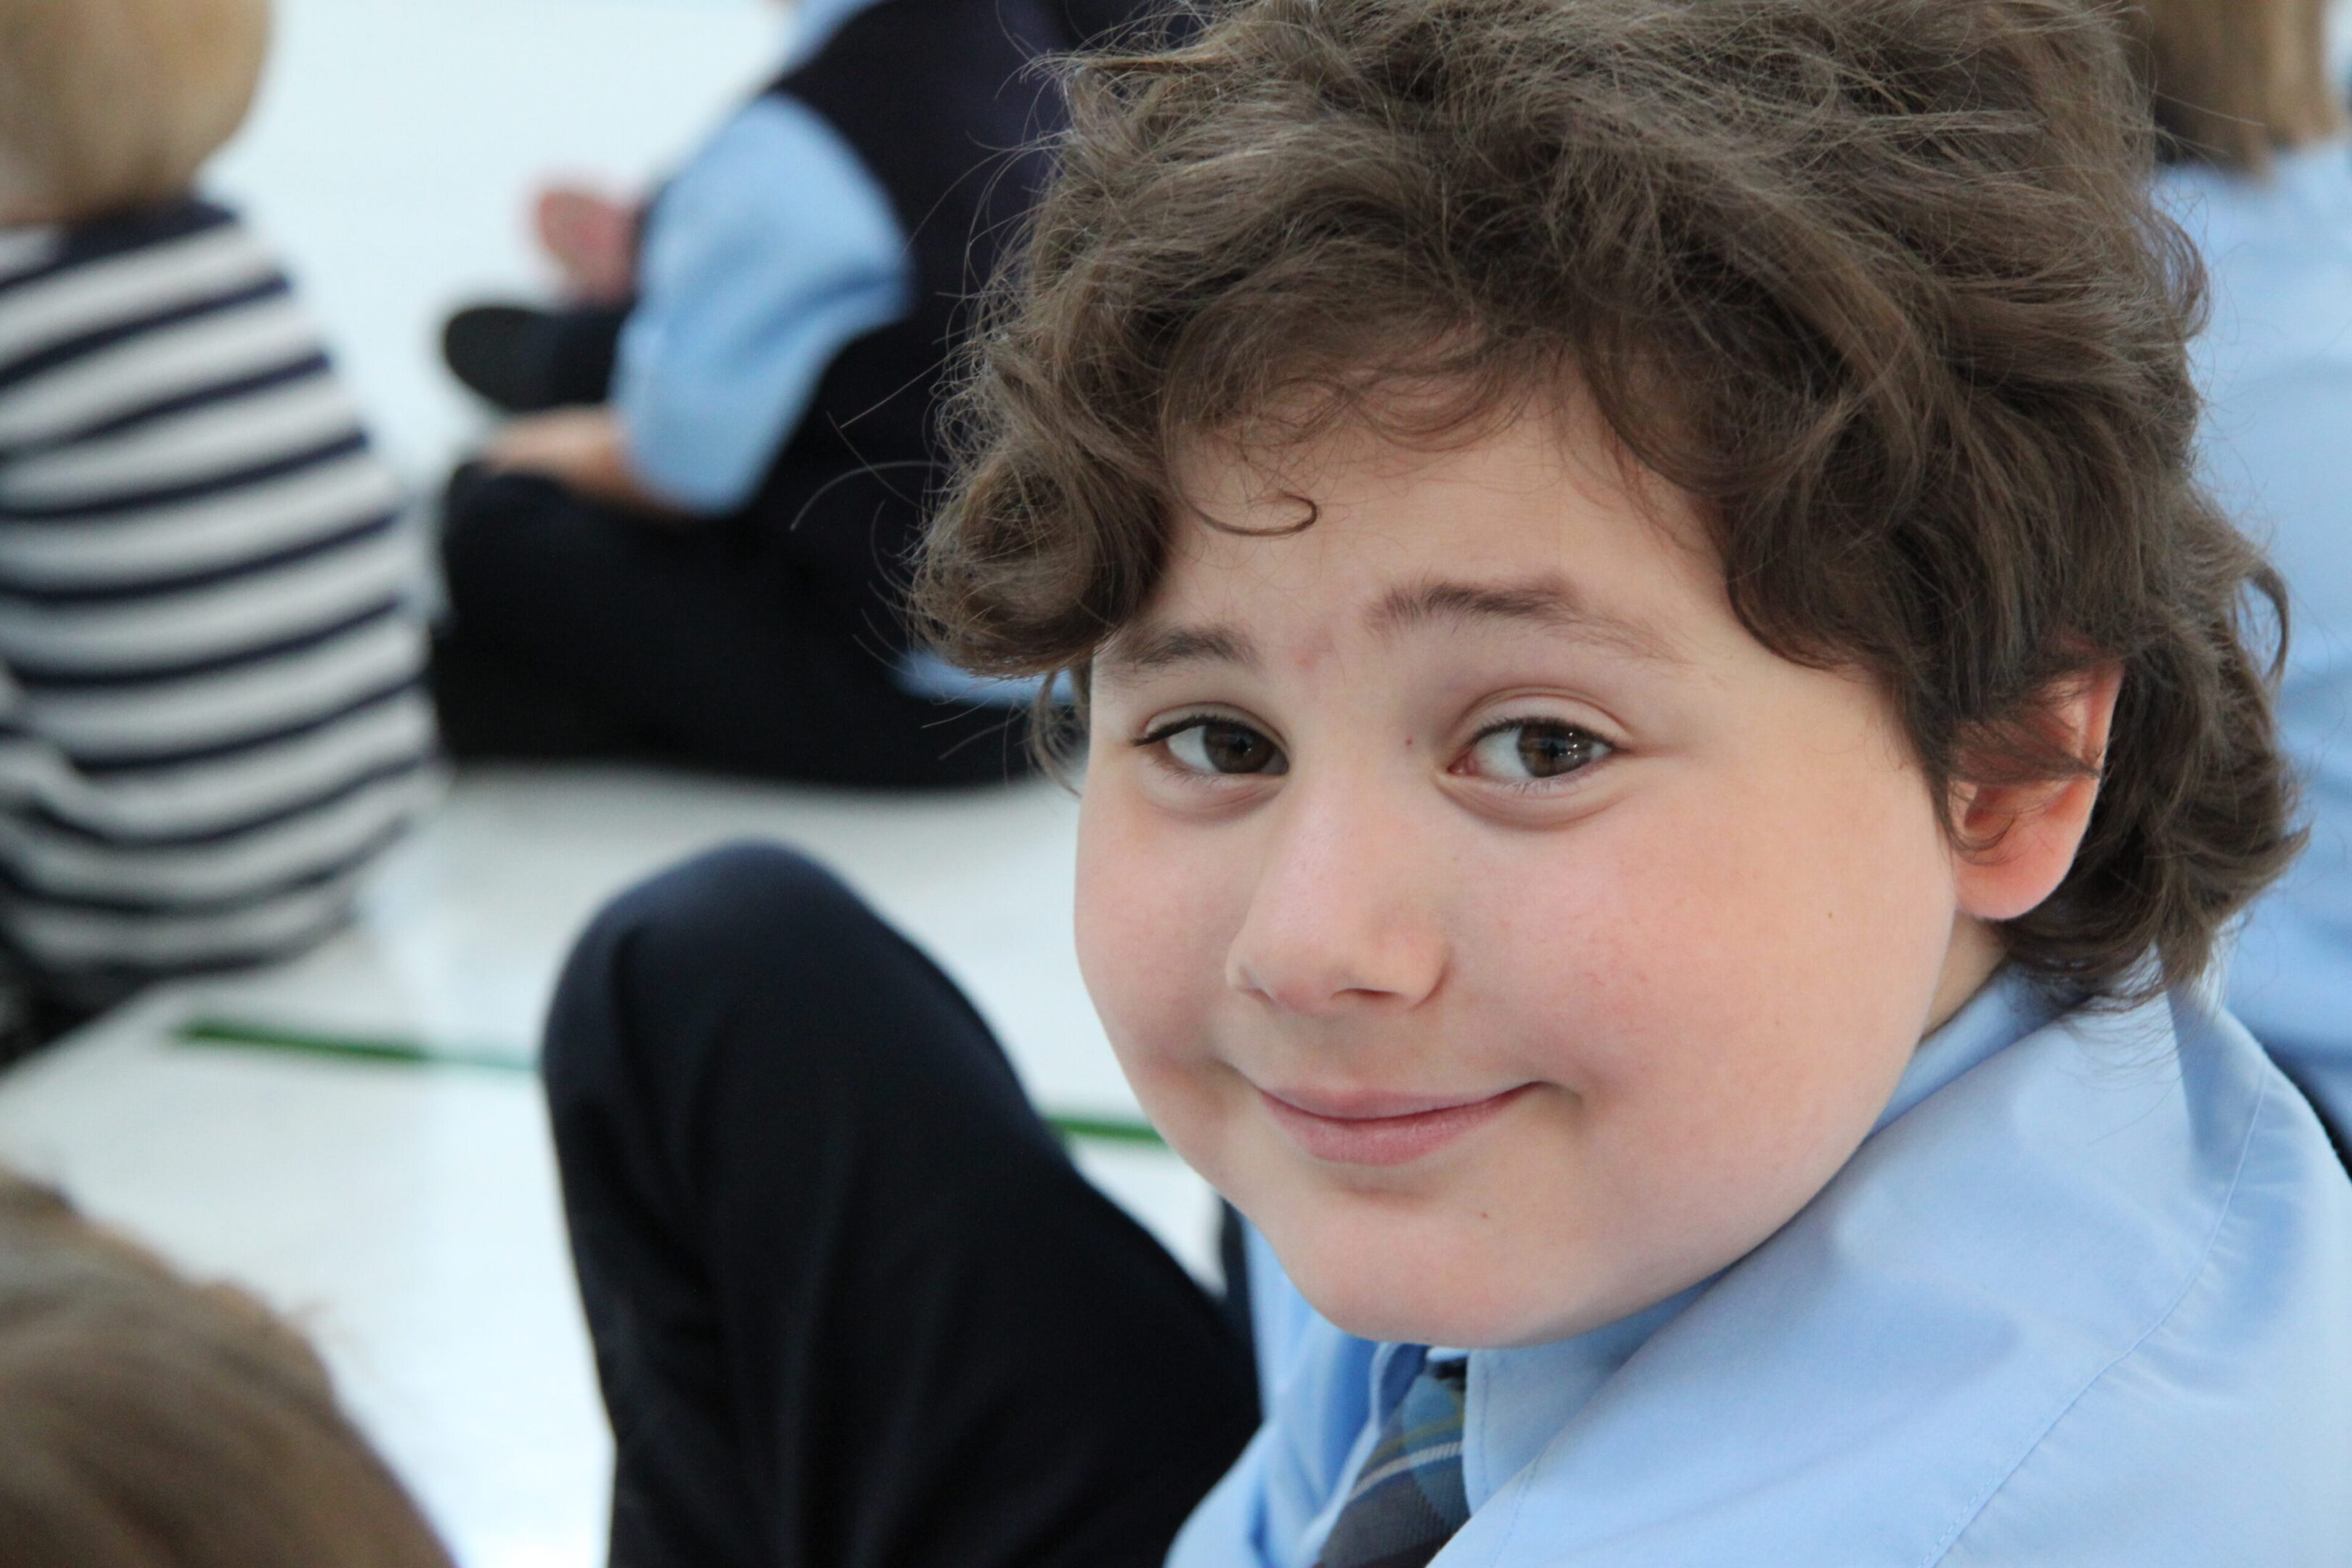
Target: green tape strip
1106, 1129
238, 1033
404, 1053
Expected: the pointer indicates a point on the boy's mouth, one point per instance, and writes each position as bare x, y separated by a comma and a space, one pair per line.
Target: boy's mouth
1379, 1130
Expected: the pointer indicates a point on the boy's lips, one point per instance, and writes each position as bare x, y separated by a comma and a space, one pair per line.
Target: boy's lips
1380, 1129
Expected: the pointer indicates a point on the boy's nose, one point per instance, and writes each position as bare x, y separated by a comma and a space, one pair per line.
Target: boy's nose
1338, 920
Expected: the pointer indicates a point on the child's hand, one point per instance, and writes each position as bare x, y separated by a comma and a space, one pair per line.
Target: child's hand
593, 239
583, 449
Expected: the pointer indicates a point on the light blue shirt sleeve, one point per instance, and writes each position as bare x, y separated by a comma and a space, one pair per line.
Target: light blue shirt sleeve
770, 252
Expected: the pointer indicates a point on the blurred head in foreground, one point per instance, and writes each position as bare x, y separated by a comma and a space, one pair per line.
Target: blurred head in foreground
146, 1422
2237, 81
107, 105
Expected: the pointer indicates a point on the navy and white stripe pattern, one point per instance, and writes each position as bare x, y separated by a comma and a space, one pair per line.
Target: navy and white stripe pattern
211, 709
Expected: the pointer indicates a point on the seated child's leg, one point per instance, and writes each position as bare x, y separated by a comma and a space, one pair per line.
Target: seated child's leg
852, 1304
682, 640
491, 698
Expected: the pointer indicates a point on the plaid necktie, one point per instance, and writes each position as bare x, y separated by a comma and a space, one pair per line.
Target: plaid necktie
1408, 1500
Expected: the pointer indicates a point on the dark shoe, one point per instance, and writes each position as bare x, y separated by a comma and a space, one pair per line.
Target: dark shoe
526, 361
499, 353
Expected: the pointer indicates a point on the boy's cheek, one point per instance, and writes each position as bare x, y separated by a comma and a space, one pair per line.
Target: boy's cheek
1722, 977
1154, 919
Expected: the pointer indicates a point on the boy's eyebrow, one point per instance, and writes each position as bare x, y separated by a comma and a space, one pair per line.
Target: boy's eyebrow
1155, 648
1549, 602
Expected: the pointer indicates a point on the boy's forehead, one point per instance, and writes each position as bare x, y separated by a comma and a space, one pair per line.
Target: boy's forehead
1391, 440
1351, 535
1550, 604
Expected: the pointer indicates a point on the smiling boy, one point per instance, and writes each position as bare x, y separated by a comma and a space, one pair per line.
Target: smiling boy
1509, 899
1668, 738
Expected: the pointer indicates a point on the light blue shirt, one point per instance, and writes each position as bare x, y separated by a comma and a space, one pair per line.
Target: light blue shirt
767, 254
763, 257
2084, 1298
2276, 367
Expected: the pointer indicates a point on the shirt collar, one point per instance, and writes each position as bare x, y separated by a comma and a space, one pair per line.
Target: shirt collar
1519, 1399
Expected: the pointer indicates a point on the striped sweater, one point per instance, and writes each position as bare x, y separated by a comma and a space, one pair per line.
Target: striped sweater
210, 715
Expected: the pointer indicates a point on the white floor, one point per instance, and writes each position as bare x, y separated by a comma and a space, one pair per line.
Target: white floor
408, 1214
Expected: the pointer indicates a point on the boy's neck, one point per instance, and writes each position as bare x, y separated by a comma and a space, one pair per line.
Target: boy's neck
1974, 957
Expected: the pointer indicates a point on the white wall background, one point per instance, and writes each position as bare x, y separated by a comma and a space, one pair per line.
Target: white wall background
394, 142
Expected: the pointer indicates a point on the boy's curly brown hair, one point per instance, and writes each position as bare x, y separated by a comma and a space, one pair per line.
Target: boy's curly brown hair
1877, 282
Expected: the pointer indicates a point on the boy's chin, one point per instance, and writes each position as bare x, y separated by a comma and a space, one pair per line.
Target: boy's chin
1466, 1302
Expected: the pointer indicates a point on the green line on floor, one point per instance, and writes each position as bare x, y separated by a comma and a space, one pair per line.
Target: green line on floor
209, 1031
240, 1033
1106, 1129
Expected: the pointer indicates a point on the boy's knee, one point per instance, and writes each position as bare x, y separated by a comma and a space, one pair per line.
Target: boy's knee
743, 901
485, 516
746, 923
477, 491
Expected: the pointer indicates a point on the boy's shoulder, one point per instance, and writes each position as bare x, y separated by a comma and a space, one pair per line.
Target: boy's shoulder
2088, 1299
2106, 1277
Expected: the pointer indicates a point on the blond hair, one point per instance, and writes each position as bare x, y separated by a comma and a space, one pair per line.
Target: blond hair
108, 104
147, 1422
2237, 81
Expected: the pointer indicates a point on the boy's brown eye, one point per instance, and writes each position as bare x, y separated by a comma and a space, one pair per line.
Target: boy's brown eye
1223, 746
1534, 749
1545, 751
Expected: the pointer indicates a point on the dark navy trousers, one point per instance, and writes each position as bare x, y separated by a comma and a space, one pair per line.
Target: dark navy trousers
853, 1306
584, 630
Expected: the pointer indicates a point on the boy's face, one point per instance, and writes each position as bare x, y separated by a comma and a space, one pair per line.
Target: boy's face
1473, 901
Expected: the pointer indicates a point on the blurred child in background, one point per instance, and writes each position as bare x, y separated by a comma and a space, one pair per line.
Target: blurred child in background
149, 1423
2260, 174
210, 715
699, 553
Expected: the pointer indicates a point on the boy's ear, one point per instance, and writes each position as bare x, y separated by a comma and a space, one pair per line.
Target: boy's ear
2015, 842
